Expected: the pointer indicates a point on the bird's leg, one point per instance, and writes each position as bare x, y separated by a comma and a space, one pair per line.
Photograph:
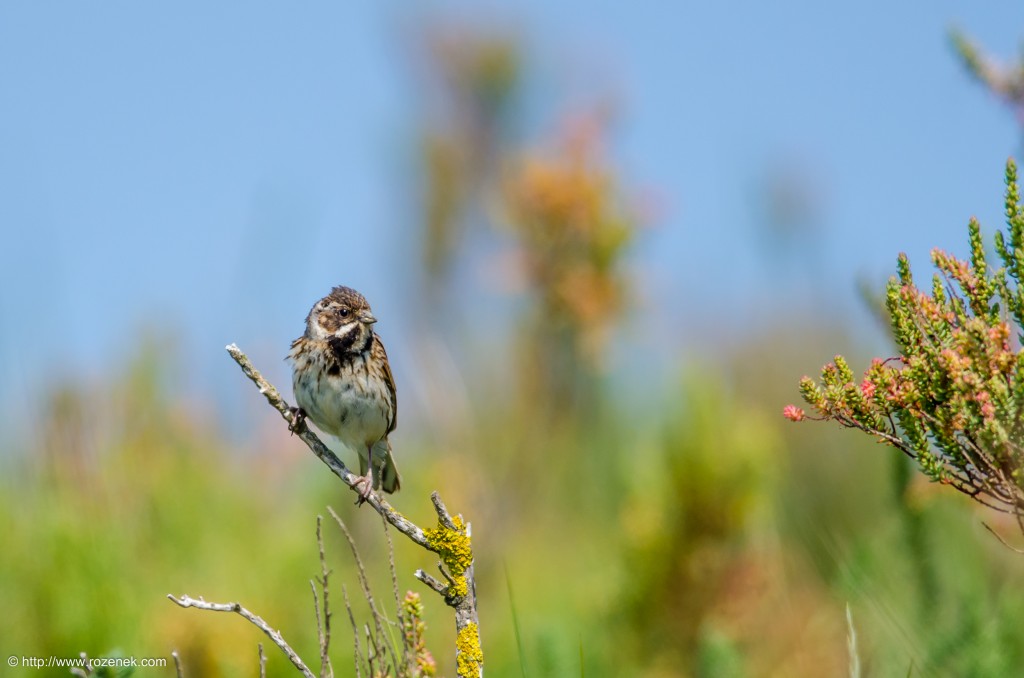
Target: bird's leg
298, 420
364, 484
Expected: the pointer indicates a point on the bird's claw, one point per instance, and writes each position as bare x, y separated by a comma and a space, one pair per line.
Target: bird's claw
363, 485
298, 420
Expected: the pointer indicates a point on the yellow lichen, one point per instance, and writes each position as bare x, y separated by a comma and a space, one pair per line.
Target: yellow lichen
469, 657
455, 550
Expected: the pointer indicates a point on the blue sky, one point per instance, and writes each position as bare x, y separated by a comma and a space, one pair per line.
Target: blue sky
157, 161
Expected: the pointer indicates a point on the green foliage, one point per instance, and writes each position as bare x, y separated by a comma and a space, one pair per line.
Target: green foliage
684, 528
953, 399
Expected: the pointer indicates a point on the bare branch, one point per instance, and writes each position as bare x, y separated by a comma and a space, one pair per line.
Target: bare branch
255, 620
263, 661
357, 656
379, 621
442, 511
407, 659
430, 581
324, 633
1001, 540
319, 628
444, 573
372, 652
392, 568
177, 664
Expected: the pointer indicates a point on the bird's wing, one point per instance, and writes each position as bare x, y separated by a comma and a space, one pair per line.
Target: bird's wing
389, 379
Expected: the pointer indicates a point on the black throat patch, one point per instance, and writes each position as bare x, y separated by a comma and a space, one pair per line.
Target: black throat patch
345, 346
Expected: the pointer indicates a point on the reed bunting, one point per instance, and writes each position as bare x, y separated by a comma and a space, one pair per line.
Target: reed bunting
343, 382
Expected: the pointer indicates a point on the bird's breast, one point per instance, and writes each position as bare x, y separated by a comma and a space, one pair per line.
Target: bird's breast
343, 398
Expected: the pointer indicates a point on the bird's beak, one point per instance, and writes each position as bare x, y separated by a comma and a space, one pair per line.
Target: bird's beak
367, 318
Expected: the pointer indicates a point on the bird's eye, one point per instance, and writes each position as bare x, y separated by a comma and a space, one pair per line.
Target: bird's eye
343, 312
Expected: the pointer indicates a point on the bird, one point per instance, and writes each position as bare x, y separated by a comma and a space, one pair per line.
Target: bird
343, 383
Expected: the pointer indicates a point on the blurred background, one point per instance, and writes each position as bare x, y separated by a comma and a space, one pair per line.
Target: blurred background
603, 243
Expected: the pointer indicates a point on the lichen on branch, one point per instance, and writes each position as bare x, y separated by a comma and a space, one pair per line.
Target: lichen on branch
454, 547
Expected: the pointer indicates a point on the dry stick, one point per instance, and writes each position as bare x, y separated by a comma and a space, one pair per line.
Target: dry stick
319, 628
357, 656
465, 607
406, 657
325, 637
177, 664
391, 566
1003, 541
372, 651
256, 620
378, 617
430, 581
263, 661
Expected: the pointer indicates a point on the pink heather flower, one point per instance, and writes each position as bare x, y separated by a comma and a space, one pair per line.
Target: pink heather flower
988, 408
999, 334
867, 387
793, 413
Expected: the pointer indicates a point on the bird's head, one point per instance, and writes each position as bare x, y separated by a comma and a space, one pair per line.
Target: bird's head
344, 318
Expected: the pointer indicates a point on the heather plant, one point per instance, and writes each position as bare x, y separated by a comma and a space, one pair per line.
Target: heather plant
567, 218
472, 77
573, 225
1004, 80
953, 398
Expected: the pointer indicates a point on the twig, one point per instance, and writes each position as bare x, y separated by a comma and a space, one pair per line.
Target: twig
263, 661
357, 656
392, 568
1001, 540
430, 581
255, 620
324, 633
378, 618
442, 511
372, 652
444, 573
177, 664
319, 627
407, 659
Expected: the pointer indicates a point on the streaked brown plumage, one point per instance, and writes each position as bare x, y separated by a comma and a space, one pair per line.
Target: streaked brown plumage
343, 383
